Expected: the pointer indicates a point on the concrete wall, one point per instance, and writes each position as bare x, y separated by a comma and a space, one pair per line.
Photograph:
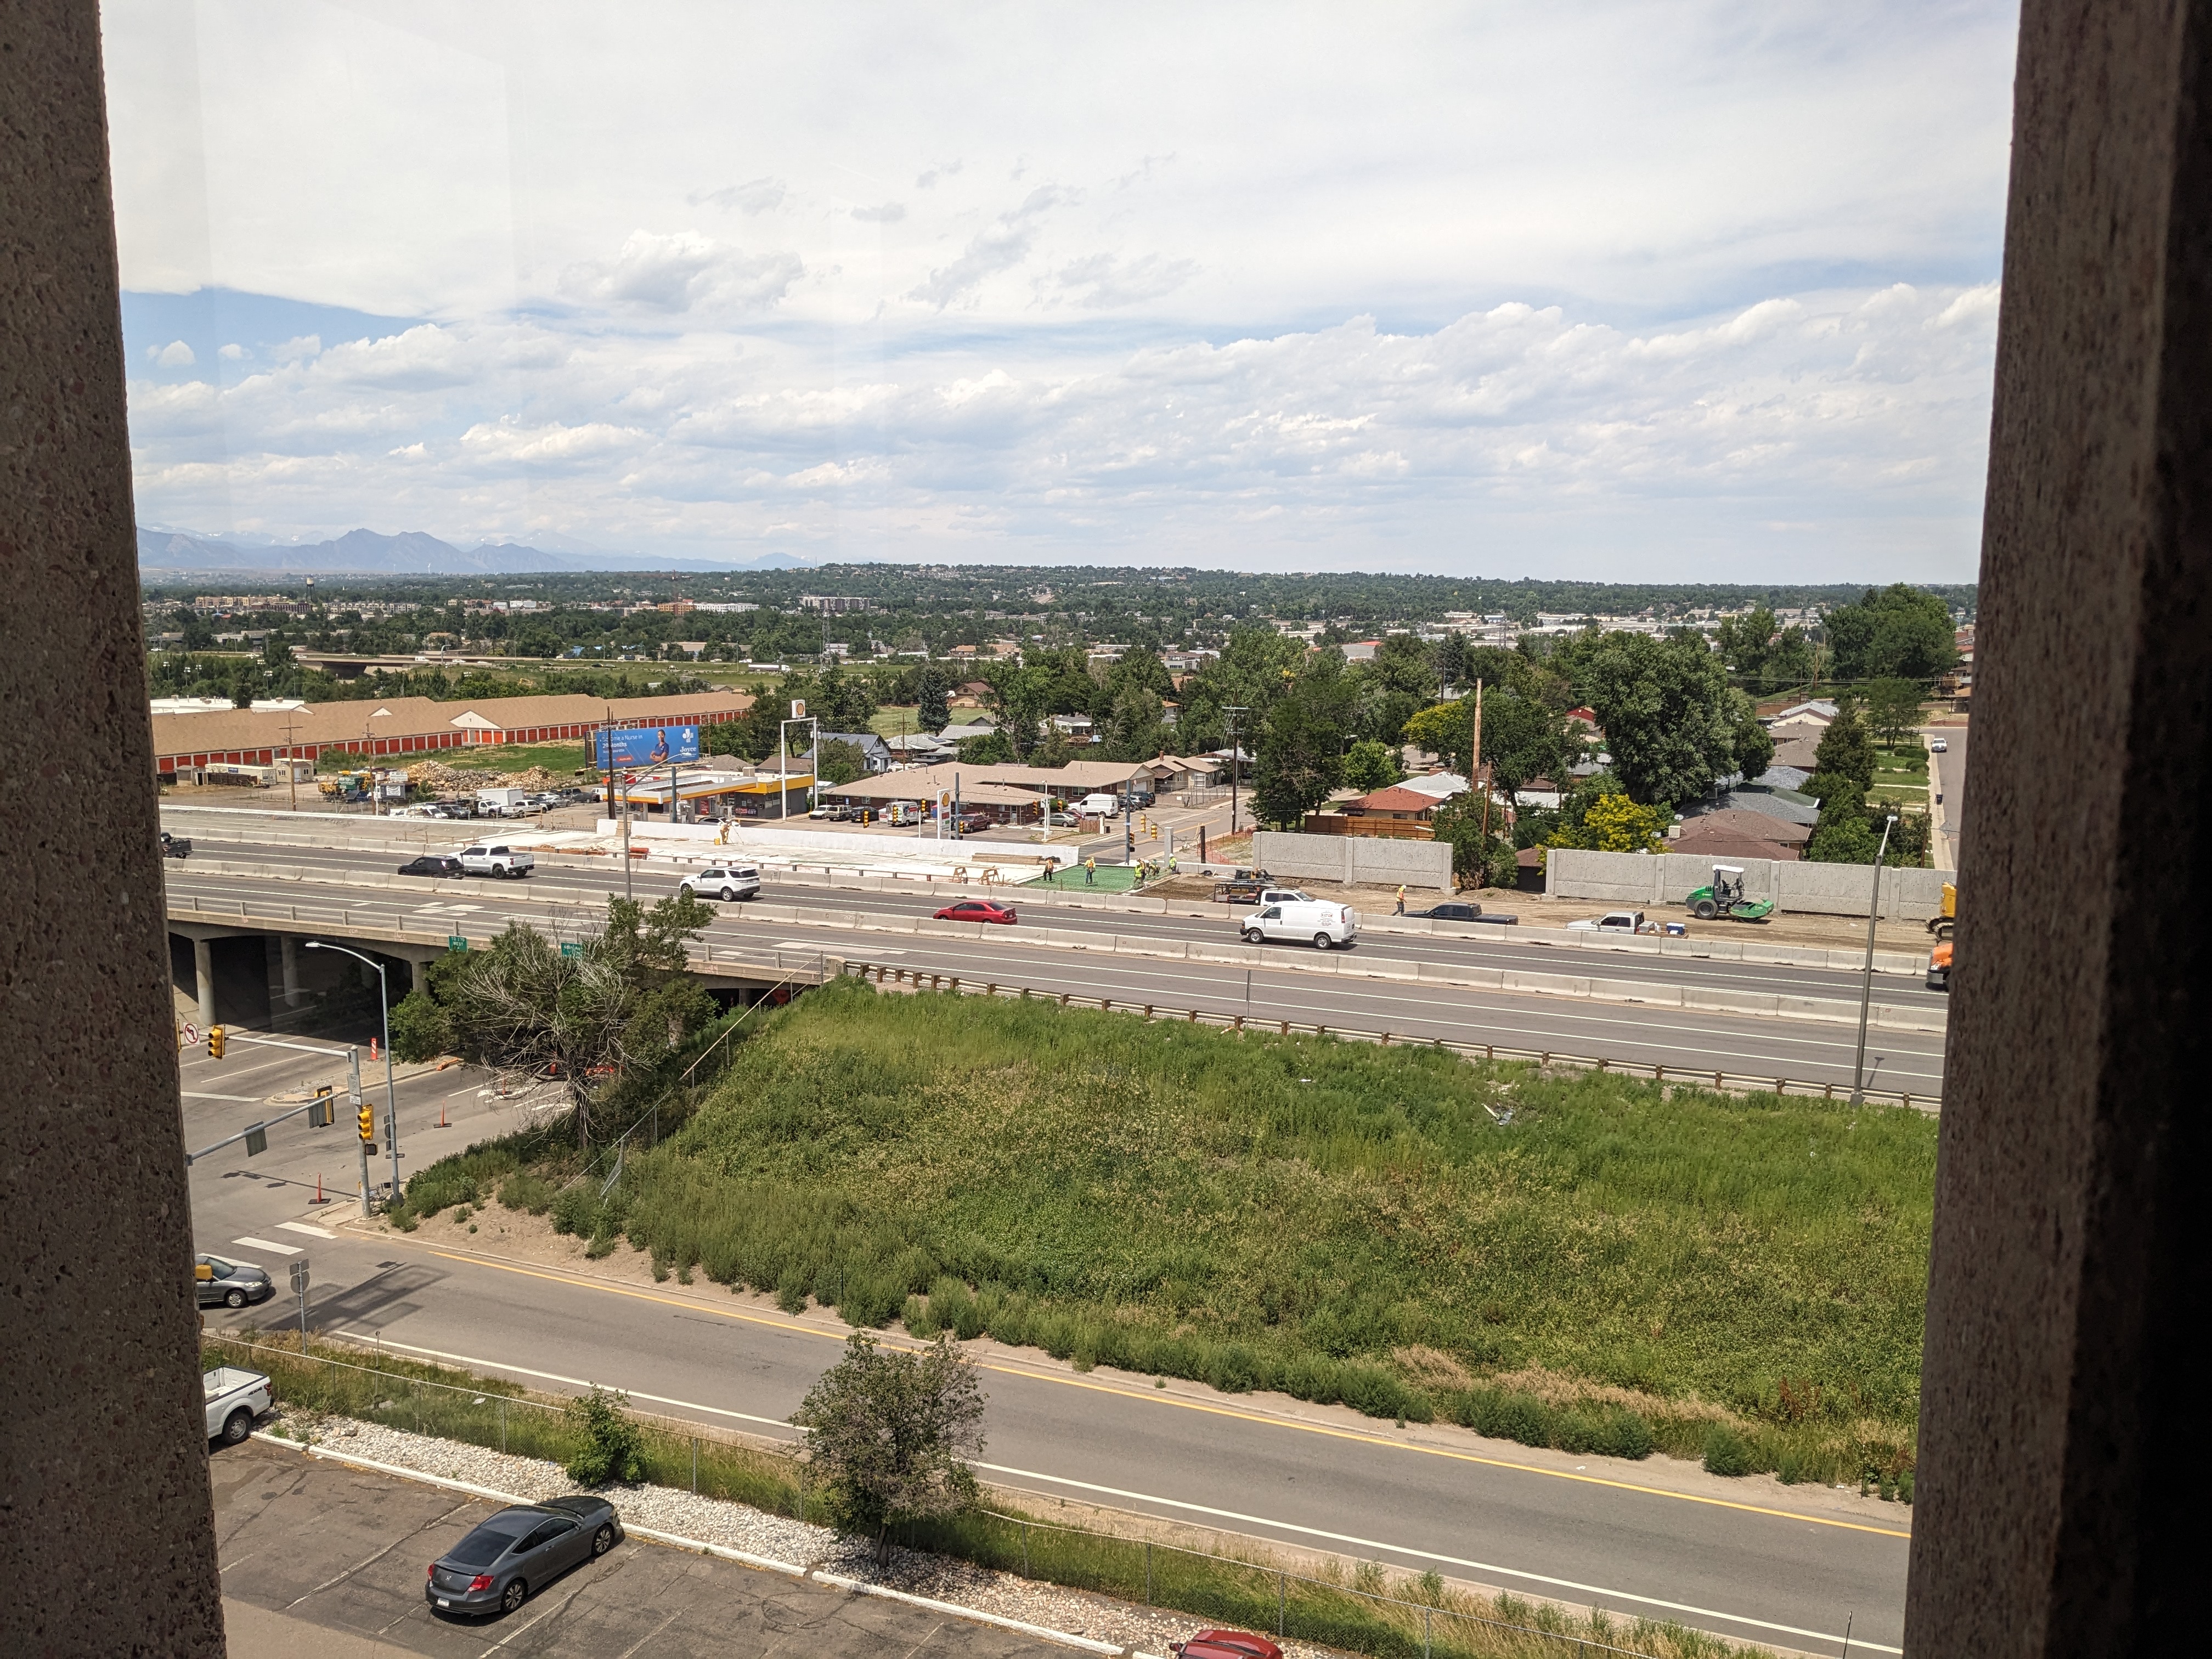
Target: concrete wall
109, 1540
1825, 890
1424, 864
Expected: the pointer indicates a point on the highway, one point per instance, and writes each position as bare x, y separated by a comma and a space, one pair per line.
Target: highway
319, 884
1787, 1565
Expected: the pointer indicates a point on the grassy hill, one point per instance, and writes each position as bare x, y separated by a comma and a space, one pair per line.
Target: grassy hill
1609, 1263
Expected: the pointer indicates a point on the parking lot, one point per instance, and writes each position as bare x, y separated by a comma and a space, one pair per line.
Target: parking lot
319, 1557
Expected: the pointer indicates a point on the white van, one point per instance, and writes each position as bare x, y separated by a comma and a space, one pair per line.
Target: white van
1098, 806
1327, 925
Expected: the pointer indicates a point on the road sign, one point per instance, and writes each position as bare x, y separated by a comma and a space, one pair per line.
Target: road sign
570, 948
299, 1278
257, 1141
457, 942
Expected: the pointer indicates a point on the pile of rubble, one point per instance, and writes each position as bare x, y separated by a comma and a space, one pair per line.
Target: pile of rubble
444, 779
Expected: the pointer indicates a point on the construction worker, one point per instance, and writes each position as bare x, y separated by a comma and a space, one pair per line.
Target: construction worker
1401, 900
1090, 871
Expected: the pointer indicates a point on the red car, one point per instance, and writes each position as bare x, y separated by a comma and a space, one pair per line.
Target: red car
977, 910
1226, 1644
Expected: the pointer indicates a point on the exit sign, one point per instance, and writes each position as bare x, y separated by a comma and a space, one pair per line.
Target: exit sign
457, 942
572, 950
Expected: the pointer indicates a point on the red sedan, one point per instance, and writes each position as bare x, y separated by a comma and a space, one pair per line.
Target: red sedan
1226, 1644
977, 910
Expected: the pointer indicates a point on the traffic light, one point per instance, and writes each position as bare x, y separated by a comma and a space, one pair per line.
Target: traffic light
365, 1120
321, 1114
216, 1040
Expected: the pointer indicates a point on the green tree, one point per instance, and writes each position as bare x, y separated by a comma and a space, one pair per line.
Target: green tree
1671, 719
1369, 765
1894, 707
608, 1444
1477, 856
841, 762
1616, 823
1901, 632
1845, 748
1762, 654
932, 713
607, 1022
1300, 759
888, 1434
1018, 697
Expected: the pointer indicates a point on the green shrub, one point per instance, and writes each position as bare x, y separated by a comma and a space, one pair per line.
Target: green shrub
576, 1210
524, 1190
791, 1290
608, 1444
1727, 1452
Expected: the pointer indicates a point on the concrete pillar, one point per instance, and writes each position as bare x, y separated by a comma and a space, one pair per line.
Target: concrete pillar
204, 980
290, 948
110, 1533
2059, 1497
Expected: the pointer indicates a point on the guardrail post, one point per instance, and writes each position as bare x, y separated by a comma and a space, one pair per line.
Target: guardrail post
1148, 1572
694, 1466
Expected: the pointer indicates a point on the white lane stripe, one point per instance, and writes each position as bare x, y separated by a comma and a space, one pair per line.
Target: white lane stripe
267, 1244
1431, 1555
243, 1100
1170, 1503
303, 1227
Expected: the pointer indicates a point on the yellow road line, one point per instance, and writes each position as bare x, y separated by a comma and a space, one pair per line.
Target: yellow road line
1161, 1398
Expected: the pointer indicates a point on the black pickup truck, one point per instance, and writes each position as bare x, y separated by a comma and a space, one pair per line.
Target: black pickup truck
175, 846
1458, 911
1243, 888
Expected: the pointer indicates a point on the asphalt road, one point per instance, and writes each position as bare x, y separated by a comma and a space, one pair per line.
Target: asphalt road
1803, 1051
1951, 780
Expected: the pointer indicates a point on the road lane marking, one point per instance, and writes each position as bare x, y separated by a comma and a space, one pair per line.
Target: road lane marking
242, 1100
1197, 1509
1157, 1398
303, 1227
267, 1244
1429, 1555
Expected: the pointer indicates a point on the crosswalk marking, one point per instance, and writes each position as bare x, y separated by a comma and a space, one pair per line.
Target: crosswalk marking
303, 1227
267, 1244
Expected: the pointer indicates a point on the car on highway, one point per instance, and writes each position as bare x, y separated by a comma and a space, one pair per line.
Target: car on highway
433, 864
977, 910
1226, 1644
1328, 925
484, 860
224, 1283
524, 1547
234, 1398
1457, 911
1939, 746
175, 846
722, 882
1617, 922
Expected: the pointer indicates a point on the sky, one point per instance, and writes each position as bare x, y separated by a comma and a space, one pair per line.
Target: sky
1638, 292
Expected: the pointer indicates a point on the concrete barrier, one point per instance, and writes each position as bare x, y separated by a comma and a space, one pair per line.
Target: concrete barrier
1827, 889
1353, 859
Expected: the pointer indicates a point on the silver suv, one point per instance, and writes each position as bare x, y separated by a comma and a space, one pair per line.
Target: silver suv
722, 883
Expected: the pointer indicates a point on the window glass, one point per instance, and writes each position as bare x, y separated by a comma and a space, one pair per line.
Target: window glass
488, 1542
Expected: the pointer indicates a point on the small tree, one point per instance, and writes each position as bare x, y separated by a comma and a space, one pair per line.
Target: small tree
887, 1432
1893, 709
840, 762
1845, 750
608, 1445
1371, 765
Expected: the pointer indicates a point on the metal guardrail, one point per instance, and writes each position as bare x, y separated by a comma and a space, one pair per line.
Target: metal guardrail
1722, 1081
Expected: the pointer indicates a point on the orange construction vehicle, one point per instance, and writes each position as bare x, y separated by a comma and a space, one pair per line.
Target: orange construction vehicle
1939, 967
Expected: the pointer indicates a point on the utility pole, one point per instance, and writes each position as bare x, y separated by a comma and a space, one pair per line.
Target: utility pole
1474, 765
291, 746
1236, 754
391, 1090
1866, 987
353, 1093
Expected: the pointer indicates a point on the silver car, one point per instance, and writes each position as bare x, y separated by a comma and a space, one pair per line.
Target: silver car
722, 882
519, 1550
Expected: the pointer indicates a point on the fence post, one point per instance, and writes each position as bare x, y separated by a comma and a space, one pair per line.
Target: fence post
503, 1424
1148, 1572
1281, 1581
1426, 1614
1025, 1549
694, 1466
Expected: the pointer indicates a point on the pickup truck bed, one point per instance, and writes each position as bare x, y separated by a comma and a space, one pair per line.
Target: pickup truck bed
235, 1399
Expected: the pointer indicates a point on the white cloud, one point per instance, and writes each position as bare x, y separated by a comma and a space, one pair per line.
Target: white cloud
889, 213
175, 354
675, 272
232, 353
1000, 246
753, 196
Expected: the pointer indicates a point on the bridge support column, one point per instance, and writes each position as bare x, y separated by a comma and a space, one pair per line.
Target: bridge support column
290, 948
204, 980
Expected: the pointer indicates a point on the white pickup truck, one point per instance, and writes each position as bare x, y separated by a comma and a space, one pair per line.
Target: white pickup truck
235, 1399
484, 860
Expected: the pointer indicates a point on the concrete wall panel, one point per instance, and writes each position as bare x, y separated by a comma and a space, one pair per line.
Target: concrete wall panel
1828, 890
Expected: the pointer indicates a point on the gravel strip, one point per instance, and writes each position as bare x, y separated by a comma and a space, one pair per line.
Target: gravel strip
740, 1527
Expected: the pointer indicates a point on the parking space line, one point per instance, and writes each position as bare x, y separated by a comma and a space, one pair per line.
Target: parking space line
267, 1244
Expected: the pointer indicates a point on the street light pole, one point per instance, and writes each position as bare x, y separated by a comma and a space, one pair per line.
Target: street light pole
1235, 756
391, 1091
1866, 987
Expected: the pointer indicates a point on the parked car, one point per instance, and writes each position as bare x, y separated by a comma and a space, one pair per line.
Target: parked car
1327, 925
969, 824
522, 1548
1454, 910
433, 864
977, 910
1226, 1644
1939, 745
1617, 922
234, 1398
497, 861
1098, 806
175, 846
722, 883
836, 811
230, 1284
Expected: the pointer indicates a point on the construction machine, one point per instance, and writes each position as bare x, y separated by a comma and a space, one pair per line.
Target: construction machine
1939, 966
1724, 898
1945, 920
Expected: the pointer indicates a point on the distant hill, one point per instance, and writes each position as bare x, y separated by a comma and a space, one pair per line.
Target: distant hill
412, 553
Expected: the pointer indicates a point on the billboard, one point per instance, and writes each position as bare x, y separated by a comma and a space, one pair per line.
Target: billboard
648, 745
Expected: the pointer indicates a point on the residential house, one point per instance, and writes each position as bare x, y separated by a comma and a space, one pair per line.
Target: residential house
874, 750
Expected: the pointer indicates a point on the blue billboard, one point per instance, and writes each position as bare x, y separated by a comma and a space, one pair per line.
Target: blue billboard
649, 745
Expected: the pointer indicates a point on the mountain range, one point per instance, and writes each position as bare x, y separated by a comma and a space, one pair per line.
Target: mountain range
411, 553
